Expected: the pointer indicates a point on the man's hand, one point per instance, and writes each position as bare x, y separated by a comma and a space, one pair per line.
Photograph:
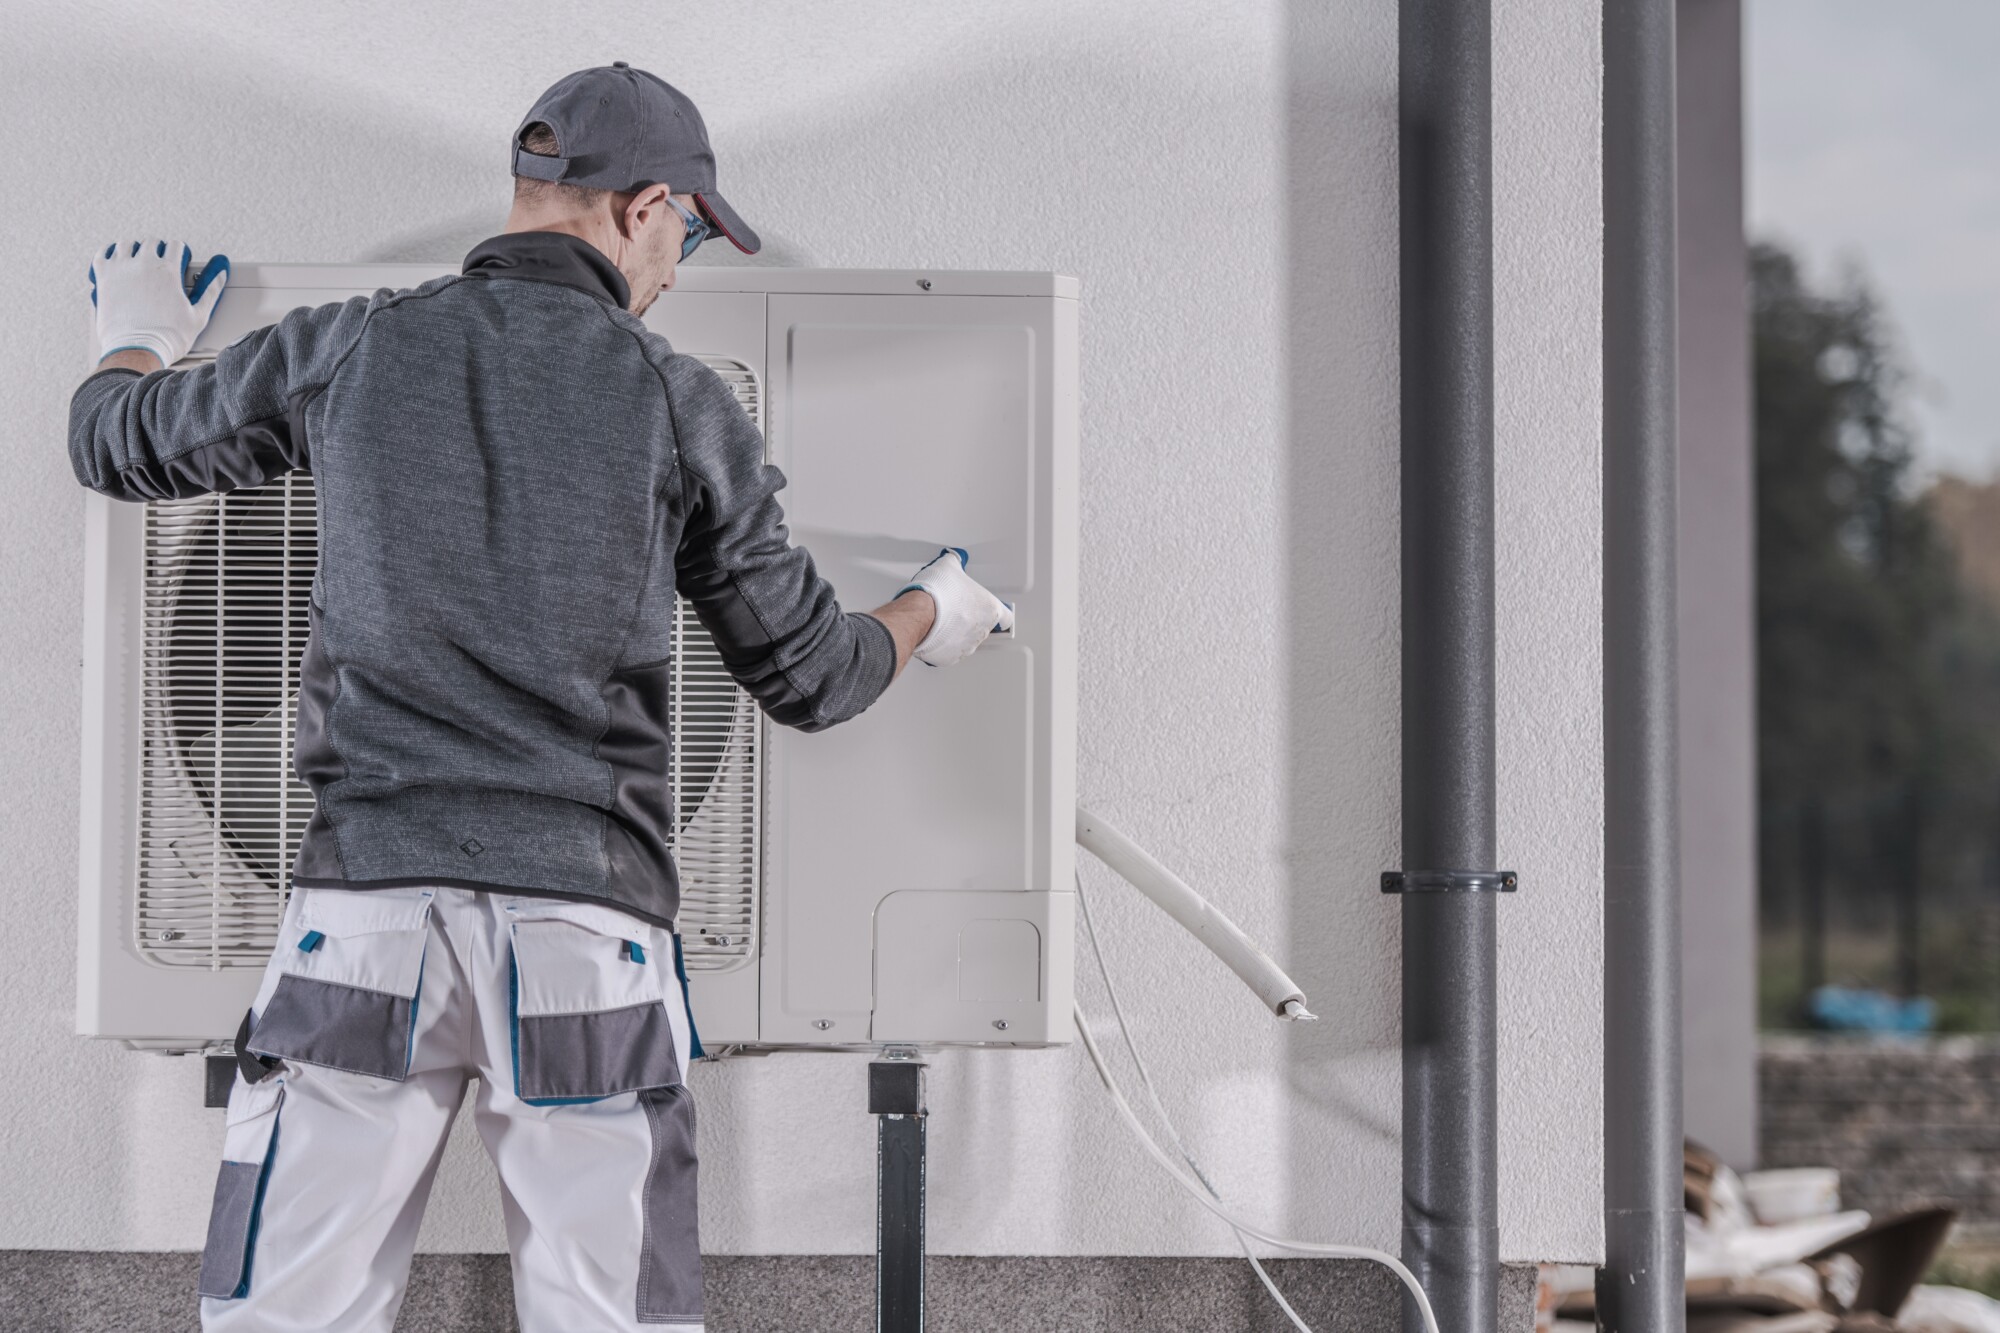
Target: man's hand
143, 306
965, 612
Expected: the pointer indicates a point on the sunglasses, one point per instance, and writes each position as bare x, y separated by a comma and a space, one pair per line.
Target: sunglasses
698, 229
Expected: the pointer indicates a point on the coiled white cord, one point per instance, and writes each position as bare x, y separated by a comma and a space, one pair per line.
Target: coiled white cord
1197, 1184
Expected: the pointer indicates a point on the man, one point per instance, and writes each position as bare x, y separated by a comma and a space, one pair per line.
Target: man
515, 478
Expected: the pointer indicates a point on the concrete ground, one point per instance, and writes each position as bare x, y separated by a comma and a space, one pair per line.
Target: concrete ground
43, 1291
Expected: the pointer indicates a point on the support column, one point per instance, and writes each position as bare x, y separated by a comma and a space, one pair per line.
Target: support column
896, 1099
1717, 568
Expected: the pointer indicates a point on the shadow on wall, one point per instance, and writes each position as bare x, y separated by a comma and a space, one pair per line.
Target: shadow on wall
1342, 496
316, 149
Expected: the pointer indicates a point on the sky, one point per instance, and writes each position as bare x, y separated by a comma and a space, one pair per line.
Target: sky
1874, 137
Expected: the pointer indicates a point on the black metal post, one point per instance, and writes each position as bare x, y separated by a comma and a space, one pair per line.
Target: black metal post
1812, 883
896, 1099
1639, 1290
1450, 1142
1910, 902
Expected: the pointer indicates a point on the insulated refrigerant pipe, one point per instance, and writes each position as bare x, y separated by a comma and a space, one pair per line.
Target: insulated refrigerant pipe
1451, 1234
1280, 994
1640, 1287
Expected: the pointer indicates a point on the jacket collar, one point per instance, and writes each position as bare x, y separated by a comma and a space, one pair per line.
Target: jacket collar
550, 256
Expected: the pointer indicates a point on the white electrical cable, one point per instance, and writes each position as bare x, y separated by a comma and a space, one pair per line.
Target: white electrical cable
1198, 1186
1160, 1110
1158, 1154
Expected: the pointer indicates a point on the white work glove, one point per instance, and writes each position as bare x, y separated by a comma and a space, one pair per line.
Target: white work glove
966, 612
142, 304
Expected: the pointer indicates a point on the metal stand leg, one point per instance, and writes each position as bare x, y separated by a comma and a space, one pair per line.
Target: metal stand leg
896, 1098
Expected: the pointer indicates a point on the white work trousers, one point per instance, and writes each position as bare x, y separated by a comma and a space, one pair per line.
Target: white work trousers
376, 1009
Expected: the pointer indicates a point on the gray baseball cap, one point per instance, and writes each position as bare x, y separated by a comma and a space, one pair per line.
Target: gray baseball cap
619, 128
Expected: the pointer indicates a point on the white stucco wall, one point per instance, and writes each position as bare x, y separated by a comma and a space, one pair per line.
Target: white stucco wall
1222, 179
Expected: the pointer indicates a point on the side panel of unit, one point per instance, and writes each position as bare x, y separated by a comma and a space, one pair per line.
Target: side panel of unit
113, 986
918, 876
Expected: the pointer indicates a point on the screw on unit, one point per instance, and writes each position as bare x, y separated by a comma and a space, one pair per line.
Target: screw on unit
924, 283
1000, 1023
166, 936
822, 1023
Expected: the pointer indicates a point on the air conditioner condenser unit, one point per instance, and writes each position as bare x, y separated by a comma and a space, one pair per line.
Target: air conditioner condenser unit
904, 878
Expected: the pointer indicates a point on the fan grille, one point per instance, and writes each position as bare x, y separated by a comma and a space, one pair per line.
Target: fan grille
227, 582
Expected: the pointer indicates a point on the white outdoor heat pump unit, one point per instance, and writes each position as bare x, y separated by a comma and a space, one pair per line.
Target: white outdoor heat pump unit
905, 878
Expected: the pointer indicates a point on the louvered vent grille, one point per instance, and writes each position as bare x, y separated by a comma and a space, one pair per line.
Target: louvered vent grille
226, 585
227, 581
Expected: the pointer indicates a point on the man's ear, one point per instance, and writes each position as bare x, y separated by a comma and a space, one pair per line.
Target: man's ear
644, 207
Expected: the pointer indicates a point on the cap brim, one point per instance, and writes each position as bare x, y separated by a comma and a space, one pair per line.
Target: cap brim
729, 222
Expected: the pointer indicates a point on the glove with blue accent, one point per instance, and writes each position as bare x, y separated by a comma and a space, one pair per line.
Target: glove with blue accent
143, 303
966, 612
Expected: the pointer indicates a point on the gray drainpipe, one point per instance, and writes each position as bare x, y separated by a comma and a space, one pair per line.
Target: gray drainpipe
1640, 1289
1450, 1147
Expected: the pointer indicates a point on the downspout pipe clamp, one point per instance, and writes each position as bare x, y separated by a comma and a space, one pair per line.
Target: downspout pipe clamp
1449, 881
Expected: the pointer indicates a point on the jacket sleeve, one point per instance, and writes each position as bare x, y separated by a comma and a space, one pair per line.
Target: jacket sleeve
231, 423
775, 621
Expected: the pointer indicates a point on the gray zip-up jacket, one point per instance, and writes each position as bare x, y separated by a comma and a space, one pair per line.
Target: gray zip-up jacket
514, 478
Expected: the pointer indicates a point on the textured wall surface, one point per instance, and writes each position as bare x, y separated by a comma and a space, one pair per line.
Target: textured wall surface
1222, 179
1904, 1124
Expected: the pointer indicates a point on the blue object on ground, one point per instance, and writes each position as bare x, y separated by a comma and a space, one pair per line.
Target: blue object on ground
1850, 1009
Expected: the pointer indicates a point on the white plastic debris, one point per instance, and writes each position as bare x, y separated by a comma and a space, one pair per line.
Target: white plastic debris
1730, 1244
1742, 1251
1948, 1310
1793, 1193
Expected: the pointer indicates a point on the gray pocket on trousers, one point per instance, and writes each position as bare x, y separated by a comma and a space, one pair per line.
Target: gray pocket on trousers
340, 1027
575, 1057
670, 1254
590, 1013
225, 1257
250, 1142
350, 976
